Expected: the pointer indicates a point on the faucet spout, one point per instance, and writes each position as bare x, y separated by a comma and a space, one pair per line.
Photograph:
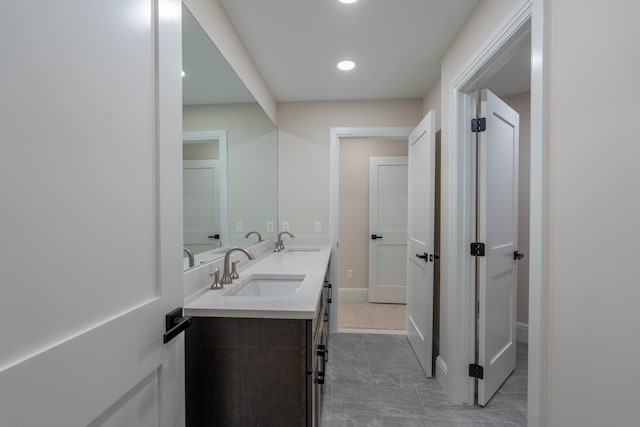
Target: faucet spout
279, 244
192, 261
226, 274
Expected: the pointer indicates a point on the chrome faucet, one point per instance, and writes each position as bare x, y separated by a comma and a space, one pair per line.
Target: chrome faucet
279, 244
256, 233
226, 274
192, 261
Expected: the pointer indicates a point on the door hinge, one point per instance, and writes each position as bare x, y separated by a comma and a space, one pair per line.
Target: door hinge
479, 124
477, 249
476, 371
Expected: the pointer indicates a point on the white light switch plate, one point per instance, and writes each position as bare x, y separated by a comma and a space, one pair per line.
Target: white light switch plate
285, 225
317, 227
239, 226
270, 226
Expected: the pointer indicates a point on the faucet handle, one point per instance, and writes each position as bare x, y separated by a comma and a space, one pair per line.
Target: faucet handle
234, 272
217, 284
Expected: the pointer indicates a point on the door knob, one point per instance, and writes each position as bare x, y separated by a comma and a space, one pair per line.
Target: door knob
424, 256
517, 255
374, 237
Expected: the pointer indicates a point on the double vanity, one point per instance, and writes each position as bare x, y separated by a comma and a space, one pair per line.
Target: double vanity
257, 349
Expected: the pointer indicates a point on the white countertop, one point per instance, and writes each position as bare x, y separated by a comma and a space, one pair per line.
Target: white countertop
300, 305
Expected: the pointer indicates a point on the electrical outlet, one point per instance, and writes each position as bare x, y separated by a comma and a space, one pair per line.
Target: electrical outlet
239, 226
349, 274
270, 226
285, 225
317, 227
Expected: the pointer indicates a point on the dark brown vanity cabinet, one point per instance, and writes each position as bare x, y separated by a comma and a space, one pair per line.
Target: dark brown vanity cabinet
257, 372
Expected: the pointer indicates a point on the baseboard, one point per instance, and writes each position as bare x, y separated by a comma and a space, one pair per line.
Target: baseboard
441, 373
522, 332
353, 294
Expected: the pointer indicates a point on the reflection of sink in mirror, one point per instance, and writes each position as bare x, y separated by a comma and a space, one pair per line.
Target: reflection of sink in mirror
267, 286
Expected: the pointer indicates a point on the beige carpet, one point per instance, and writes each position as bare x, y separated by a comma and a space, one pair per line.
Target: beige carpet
365, 315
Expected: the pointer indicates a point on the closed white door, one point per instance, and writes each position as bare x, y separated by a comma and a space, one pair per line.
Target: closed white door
498, 230
90, 246
388, 229
420, 240
201, 193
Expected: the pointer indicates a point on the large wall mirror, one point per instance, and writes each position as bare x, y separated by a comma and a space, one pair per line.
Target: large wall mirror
229, 154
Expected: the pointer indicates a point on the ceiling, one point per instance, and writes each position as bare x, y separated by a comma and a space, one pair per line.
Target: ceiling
397, 45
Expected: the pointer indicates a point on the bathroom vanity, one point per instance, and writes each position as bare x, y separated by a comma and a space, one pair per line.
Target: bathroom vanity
257, 350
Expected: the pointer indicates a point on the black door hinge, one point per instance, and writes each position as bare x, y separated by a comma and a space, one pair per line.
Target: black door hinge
477, 249
479, 124
476, 371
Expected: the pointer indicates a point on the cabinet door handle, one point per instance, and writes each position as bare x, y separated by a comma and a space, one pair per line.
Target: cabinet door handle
374, 237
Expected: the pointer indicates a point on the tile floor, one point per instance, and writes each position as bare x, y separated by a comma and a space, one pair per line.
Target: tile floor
375, 380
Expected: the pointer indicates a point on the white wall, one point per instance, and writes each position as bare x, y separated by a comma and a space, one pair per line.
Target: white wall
213, 19
303, 151
593, 209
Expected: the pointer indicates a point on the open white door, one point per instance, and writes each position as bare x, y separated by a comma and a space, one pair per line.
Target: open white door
420, 253
388, 229
498, 230
201, 194
90, 246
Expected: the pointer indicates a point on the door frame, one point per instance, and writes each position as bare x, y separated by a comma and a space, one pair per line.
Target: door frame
335, 135
202, 137
527, 18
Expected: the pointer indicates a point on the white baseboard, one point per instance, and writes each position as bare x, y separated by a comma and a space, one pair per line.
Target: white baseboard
353, 294
522, 332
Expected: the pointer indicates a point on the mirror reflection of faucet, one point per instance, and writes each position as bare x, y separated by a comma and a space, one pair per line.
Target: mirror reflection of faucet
192, 261
256, 233
280, 244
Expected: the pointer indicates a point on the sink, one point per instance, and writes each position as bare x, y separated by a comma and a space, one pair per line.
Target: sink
301, 250
267, 285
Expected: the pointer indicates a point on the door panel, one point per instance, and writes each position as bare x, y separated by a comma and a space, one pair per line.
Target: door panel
388, 219
421, 241
201, 202
498, 228
90, 253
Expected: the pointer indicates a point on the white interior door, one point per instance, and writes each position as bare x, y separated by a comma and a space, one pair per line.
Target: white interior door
498, 230
201, 193
420, 240
90, 246
388, 229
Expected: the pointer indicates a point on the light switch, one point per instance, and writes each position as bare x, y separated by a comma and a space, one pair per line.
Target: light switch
239, 226
317, 227
349, 274
270, 226
285, 225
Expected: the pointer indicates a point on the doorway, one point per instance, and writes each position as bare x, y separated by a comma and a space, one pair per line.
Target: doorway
372, 290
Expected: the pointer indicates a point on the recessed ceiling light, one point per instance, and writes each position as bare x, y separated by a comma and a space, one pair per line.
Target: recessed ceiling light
347, 1
183, 74
346, 65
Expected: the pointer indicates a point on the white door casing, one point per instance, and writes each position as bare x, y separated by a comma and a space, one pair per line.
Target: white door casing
90, 252
201, 193
388, 222
420, 241
498, 230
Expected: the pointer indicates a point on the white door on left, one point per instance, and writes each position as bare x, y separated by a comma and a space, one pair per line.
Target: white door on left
90, 246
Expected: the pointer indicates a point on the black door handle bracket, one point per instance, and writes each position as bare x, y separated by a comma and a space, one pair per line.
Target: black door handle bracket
175, 323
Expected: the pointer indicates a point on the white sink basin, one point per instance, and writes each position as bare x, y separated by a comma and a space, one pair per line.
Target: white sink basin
293, 251
268, 285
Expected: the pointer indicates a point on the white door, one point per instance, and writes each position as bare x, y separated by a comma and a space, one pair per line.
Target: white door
201, 193
388, 229
90, 246
498, 230
420, 240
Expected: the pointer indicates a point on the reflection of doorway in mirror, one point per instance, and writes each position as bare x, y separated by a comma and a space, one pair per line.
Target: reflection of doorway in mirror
204, 194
